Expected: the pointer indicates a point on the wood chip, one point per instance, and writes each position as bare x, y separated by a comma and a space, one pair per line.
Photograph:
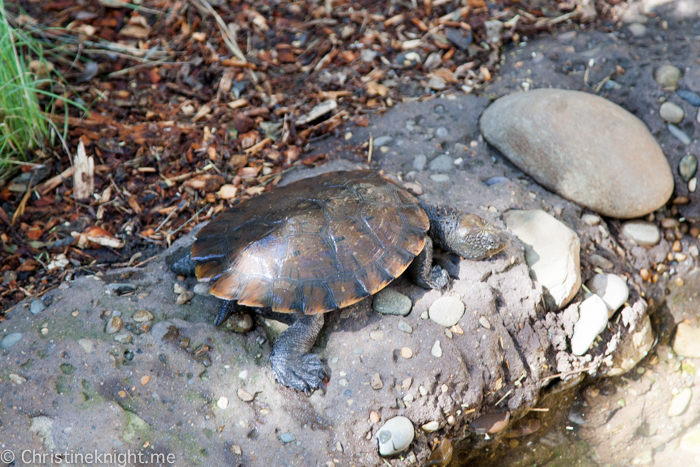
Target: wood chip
84, 176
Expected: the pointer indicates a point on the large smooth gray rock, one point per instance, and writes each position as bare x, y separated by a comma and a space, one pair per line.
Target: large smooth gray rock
551, 251
584, 148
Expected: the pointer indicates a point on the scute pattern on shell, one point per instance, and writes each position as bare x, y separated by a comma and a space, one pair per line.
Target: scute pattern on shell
314, 245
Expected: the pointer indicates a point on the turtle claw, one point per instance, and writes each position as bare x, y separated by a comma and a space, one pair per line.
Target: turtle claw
301, 372
438, 278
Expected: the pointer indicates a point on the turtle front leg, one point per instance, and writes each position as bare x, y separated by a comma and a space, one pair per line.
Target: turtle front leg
291, 361
423, 273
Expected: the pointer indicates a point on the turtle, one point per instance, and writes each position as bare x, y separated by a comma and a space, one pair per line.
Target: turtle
324, 243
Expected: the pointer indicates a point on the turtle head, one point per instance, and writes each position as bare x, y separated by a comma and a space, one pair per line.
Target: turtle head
477, 239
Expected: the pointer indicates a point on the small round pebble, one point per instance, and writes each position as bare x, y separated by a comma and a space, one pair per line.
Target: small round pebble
600, 262
442, 163
374, 417
680, 402
376, 382
671, 112
446, 311
124, 337
687, 167
642, 233
391, 302
222, 403
611, 288
590, 219
667, 76
395, 436
113, 325
405, 327
287, 437
689, 96
201, 288
484, 322
239, 322
419, 162
376, 335
637, 30
436, 350
413, 188
430, 426
244, 395
86, 344
496, 180
178, 288
184, 297
442, 132
440, 178
10, 340
142, 316
383, 141
36, 307
406, 352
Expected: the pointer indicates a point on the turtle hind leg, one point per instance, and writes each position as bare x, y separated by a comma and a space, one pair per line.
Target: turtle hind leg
291, 361
422, 271
228, 307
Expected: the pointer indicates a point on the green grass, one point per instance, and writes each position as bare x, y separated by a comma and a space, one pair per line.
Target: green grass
26, 81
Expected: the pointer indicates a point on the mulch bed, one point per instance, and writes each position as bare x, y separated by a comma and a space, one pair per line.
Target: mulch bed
198, 105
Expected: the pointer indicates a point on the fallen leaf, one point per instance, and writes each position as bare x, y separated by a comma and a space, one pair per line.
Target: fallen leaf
34, 232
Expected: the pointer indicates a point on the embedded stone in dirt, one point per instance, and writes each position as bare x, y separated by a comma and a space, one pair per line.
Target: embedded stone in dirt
551, 252
687, 341
667, 76
446, 311
611, 288
395, 436
391, 302
593, 318
642, 233
10, 340
583, 147
680, 402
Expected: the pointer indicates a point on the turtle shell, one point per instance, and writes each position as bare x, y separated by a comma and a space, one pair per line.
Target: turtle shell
314, 245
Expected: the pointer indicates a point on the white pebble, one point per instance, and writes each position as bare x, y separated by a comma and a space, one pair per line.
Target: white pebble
672, 113
446, 311
593, 318
611, 288
680, 402
642, 233
436, 350
395, 436
222, 402
430, 426
590, 219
